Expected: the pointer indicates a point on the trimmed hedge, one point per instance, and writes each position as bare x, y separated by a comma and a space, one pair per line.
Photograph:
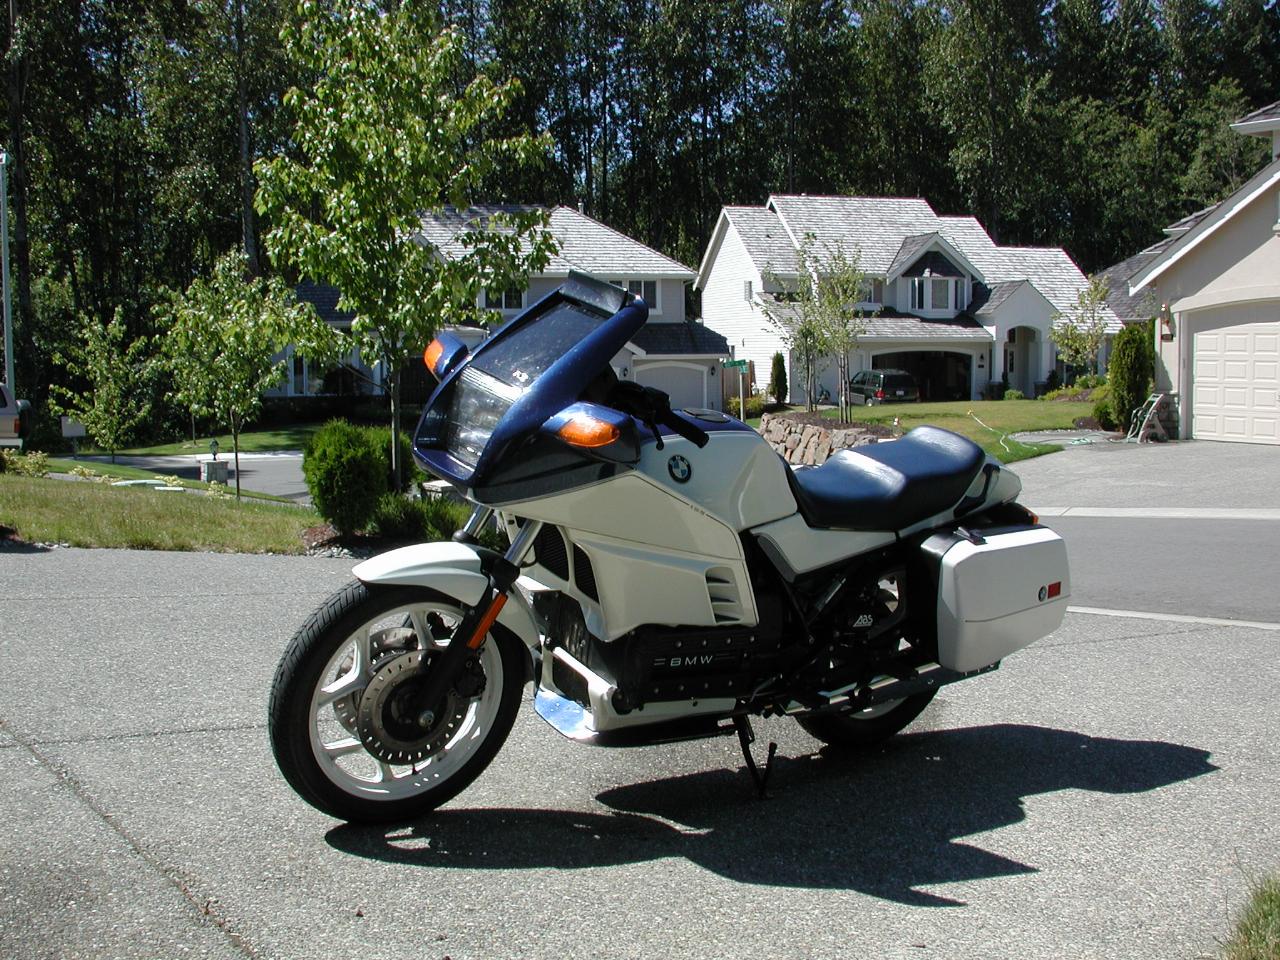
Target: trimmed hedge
347, 469
1130, 370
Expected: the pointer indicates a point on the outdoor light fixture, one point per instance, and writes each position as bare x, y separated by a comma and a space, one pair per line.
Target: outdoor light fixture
1166, 323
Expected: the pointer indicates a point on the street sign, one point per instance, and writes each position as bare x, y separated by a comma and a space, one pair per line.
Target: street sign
735, 364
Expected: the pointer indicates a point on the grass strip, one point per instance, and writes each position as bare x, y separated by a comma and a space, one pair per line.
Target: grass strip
97, 515
1257, 932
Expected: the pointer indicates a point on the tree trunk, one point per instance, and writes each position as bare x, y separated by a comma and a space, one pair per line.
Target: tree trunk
248, 222
235, 446
17, 84
393, 389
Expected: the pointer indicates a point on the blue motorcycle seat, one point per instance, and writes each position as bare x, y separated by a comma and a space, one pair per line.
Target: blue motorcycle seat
888, 486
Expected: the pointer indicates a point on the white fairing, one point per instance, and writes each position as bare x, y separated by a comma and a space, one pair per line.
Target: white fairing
998, 596
454, 570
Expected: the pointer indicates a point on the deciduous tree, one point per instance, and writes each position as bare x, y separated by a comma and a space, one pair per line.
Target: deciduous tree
383, 137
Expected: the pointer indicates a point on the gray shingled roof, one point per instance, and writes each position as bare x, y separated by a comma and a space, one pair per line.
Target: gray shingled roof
1270, 112
871, 227
891, 325
680, 338
909, 250
324, 299
987, 300
1126, 306
1179, 227
584, 244
766, 239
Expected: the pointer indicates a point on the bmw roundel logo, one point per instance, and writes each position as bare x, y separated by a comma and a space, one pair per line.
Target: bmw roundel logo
680, 469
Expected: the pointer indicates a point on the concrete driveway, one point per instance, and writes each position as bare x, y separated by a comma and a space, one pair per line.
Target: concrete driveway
278, 473
1153, 477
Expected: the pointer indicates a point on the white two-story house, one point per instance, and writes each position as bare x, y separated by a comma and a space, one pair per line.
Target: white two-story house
942, 300
670, 352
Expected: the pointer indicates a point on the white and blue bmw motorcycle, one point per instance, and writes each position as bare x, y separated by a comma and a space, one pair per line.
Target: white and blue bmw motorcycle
669, 577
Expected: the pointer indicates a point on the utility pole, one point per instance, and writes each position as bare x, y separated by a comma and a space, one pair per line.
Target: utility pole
4, 270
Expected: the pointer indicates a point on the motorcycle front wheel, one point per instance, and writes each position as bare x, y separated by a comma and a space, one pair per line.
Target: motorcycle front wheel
335, 716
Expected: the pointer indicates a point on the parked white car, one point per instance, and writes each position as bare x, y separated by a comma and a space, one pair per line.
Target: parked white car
14, 418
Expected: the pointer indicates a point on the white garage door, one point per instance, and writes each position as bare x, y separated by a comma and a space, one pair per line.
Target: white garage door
685, 384
1236, 381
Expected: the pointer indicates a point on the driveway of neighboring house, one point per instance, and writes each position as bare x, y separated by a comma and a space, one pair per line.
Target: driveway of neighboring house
1151, 479
278, 473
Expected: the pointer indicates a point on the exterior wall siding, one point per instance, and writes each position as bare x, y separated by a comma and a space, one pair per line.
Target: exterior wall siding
741, 322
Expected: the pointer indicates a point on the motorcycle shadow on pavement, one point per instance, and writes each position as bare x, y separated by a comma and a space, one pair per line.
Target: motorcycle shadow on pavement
882, 824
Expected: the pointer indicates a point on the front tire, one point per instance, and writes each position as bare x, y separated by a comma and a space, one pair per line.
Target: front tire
863, 729
313, 715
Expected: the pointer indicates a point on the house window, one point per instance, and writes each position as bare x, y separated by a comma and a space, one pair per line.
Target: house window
871, 291
940, 294
917, 293
504, 299
646, 290
746, 290
962, 301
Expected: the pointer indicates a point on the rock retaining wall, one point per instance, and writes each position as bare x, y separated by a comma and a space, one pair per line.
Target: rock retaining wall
806, 443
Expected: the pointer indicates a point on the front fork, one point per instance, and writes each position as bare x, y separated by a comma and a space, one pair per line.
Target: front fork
469, 636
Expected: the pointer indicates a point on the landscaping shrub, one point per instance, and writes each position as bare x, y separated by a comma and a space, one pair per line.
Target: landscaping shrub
32, 464
380, 439
1014, 394
778, 379
346, 472
755, 407
397, 517
1130, 371
1053, 382
1089, 381
1102, 407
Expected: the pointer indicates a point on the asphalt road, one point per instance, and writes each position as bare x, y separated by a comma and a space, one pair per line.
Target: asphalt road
1107, 793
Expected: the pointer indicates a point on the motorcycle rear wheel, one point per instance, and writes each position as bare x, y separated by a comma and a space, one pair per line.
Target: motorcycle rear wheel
326, 669
863, 729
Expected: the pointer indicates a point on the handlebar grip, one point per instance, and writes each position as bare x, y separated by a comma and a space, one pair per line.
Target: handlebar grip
694, 435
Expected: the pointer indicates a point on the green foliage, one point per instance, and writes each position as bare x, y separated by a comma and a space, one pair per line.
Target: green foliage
1130, 370
1089, 381
225, 336
117, 400
818, 317
1014, 394
396, 124
1257, 931
346, 473
1079, 334
33, 464
755, 407
1102, 412
380, 439
777, 378
396, 517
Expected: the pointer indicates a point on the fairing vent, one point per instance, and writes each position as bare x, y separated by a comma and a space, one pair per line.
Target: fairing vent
722, 589
583, 576
550, 551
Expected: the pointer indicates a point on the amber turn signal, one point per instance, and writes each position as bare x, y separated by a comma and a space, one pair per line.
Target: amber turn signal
587, 431
431, 355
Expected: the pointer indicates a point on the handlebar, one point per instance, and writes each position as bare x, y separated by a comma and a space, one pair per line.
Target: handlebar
653, 407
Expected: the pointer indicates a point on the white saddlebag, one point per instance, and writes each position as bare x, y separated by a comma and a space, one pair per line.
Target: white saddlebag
998, 595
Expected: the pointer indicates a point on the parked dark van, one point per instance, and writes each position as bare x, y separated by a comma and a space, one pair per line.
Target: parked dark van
883, 386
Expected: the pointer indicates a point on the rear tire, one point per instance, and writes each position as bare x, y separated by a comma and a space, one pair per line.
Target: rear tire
864, 729
325, 671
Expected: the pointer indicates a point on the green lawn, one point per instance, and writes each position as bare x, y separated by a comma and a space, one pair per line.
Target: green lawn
998, 418
257, 441
98, 515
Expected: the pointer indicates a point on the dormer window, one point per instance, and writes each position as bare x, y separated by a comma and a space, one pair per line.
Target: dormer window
939, 294
646, 290
871, 291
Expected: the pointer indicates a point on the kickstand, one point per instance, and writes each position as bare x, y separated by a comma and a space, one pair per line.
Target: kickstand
746, 737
